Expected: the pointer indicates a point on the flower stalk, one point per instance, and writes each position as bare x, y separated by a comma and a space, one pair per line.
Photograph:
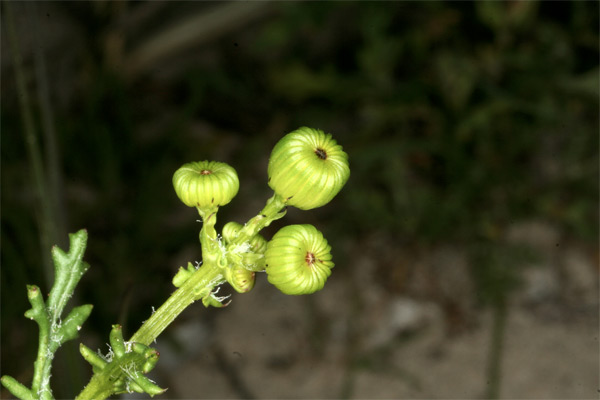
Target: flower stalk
307, 169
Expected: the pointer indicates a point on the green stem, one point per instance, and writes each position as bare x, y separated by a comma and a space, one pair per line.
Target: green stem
40, 387
51, 148
208, 236
198, 285
205, 278
44, 210
270, 213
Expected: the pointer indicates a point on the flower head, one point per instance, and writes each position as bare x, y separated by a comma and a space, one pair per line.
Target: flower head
298, 260
205, 184
308, 168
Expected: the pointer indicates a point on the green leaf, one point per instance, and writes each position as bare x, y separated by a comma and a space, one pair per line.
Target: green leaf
38, 311
69, 268
70, 328
16, 388
146, 384
116, 341
98, 363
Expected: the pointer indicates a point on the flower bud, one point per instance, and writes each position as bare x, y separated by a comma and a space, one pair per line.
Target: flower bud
205, 184
241, 279
298, 260
230, 231
308, 168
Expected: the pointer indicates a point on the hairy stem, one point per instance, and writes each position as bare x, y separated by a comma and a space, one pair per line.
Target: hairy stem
206, 277
204, 280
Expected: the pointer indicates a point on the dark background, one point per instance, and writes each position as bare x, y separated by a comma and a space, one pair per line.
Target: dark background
471, 128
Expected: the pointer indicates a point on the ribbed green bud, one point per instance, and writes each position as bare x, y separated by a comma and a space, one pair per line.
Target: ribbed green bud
258, 244
230, 231
298, 260
308, 168
205, 184
241, 279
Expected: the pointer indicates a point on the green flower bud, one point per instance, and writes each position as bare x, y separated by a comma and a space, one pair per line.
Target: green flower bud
205, 184
298, 260
230, 231
308, 168
241, 279
258, 244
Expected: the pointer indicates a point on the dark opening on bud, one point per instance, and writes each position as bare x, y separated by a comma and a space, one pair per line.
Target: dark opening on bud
310, 258
321, 154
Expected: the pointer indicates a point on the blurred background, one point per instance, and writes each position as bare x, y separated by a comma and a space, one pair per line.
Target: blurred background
465, 242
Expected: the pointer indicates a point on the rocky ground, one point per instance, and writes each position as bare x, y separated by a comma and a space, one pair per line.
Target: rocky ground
340, 344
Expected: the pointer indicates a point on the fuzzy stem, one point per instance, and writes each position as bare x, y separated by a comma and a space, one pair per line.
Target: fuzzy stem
204, 278
41, 367
198, 285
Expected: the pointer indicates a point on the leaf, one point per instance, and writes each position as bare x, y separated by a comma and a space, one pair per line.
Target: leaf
69, 268
70, 328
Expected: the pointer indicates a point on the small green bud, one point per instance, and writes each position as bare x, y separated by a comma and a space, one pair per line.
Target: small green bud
206, 184
298, 259
241, 279
183, 275
258, 244
308, 168
231, 231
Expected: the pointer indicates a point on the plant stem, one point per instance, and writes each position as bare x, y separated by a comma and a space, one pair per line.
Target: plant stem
208, 276
268, 214
52, 151
202, 281
42, 364
496, 349
199, 285
43, 208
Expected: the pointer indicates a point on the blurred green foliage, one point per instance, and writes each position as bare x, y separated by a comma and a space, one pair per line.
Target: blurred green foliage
459, 118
